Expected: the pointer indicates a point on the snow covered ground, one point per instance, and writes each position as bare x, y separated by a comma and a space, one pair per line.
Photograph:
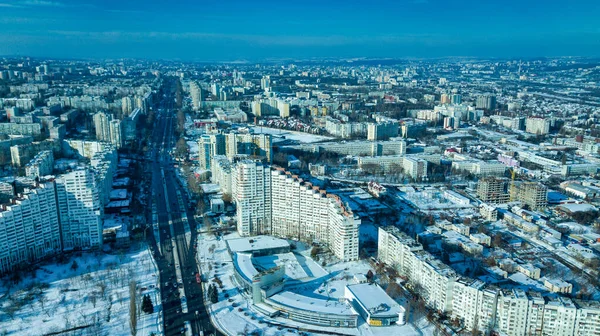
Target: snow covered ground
235, 315
95, 294
279, 134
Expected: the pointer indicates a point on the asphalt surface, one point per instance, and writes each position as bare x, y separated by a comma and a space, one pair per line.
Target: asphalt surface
170, 211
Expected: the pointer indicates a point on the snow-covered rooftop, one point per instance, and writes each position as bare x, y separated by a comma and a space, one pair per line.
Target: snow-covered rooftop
325, 306
255, 243
375, 300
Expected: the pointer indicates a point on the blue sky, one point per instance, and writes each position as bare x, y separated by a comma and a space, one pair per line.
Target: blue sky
236, 29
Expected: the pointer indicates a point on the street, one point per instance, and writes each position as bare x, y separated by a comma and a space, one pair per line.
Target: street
175, 252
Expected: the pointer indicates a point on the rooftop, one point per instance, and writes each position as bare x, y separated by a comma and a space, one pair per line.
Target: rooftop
375, 300
255, 243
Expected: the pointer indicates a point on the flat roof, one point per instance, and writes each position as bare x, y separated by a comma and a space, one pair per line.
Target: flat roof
297, 301
255, 243
375, 300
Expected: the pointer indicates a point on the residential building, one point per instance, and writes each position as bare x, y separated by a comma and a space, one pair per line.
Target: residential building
416, 168
197, 95
382, 130
487, 102
109, 129
33, 129
210, 145
537, 125
278, 203
41, 165
80, 207
29, 227
251, 187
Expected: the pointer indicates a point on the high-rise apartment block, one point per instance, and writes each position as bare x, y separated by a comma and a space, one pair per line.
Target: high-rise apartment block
265, 82
273, 201
487, 102
455, 99
196, 94
127, 105
382, 130
80, 209
29, 227
234, 144
210, 145
444, 99
251, 185
109, 129
537, 125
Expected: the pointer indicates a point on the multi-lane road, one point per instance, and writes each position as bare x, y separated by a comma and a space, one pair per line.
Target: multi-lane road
173, 224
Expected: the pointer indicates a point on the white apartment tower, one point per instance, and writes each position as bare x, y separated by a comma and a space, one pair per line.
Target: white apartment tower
537, 125
251, 187
196, 94
273, 201
116, 136
29, 227
80, 209
102, 125
210, 145
127, 105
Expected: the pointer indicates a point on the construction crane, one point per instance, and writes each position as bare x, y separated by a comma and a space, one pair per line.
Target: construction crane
512, 192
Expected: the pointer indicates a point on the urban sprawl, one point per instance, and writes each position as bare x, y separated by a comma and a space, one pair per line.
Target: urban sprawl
333, 197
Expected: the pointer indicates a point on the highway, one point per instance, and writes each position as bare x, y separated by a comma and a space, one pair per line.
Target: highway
173, 222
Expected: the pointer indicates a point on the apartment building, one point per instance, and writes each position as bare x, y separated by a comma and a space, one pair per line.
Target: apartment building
273, 201
474, 304
32, 129
29, 227
21, 154
271, 106
80, 207
249, 144
415, 167
233, 144
513, 306
109, 129
396, 249
357, 148
537, 125
434, 278
210, 145
512, 312
41, 165
493, 190
196, 94
382, 130
221, 173
251, 187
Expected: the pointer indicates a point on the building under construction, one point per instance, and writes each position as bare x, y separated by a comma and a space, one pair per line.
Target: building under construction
493, 190
533, 194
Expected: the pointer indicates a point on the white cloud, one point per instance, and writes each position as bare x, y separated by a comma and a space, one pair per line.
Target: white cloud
43, 3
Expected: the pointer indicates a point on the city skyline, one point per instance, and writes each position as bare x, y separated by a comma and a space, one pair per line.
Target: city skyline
236, 30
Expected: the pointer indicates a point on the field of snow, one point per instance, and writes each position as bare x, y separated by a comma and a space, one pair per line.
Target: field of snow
235, 315
278, 134
91, 298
